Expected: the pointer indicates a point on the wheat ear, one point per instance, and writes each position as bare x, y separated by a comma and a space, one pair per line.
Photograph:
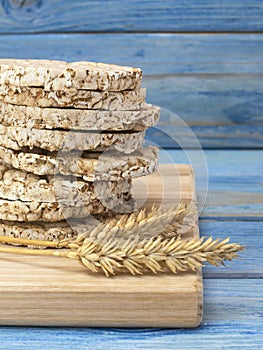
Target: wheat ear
137, 243
154, 254
168, 222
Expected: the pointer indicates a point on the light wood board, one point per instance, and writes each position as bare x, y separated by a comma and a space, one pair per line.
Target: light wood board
59, 292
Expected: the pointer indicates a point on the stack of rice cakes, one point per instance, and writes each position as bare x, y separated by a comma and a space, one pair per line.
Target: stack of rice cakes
71, 142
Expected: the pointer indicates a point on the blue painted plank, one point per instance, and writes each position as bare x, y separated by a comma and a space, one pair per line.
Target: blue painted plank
224, 111
125, 15
226, 163
210, 100
221, 137
156, 54
234, 177
232, 320
249, 234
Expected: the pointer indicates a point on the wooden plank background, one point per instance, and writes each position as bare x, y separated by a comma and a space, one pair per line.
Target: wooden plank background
130, 16
235, 190
201, 59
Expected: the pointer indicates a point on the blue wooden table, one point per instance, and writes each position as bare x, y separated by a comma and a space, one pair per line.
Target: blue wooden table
204, 61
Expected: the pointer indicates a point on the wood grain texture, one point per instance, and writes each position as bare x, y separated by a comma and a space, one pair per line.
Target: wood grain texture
235, 182
232, 320
59, 292
224, 111
155, 53
207, 100
162, 16
210, 137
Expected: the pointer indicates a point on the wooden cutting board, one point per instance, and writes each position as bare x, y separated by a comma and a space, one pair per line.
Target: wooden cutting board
40, 291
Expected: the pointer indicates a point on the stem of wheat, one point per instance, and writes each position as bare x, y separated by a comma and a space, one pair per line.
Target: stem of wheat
154, 254
137, 243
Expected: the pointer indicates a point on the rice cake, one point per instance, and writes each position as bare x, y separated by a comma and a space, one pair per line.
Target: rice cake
59, 75
78, 119
107, 166
108, 100
26, 187
53, 212
18, 138
49, 231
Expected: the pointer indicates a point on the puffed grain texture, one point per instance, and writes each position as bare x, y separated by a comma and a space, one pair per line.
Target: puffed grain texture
60, 75
88, 99
53, 212
54, 231
17, 138
107, 166
78, 119
26, 187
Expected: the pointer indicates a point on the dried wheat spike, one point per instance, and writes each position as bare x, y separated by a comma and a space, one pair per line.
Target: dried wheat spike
137, 243
167, 222
155, 254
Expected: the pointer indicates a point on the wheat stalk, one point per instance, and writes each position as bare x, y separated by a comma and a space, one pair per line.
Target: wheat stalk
137, 243
135, 256
168, 222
